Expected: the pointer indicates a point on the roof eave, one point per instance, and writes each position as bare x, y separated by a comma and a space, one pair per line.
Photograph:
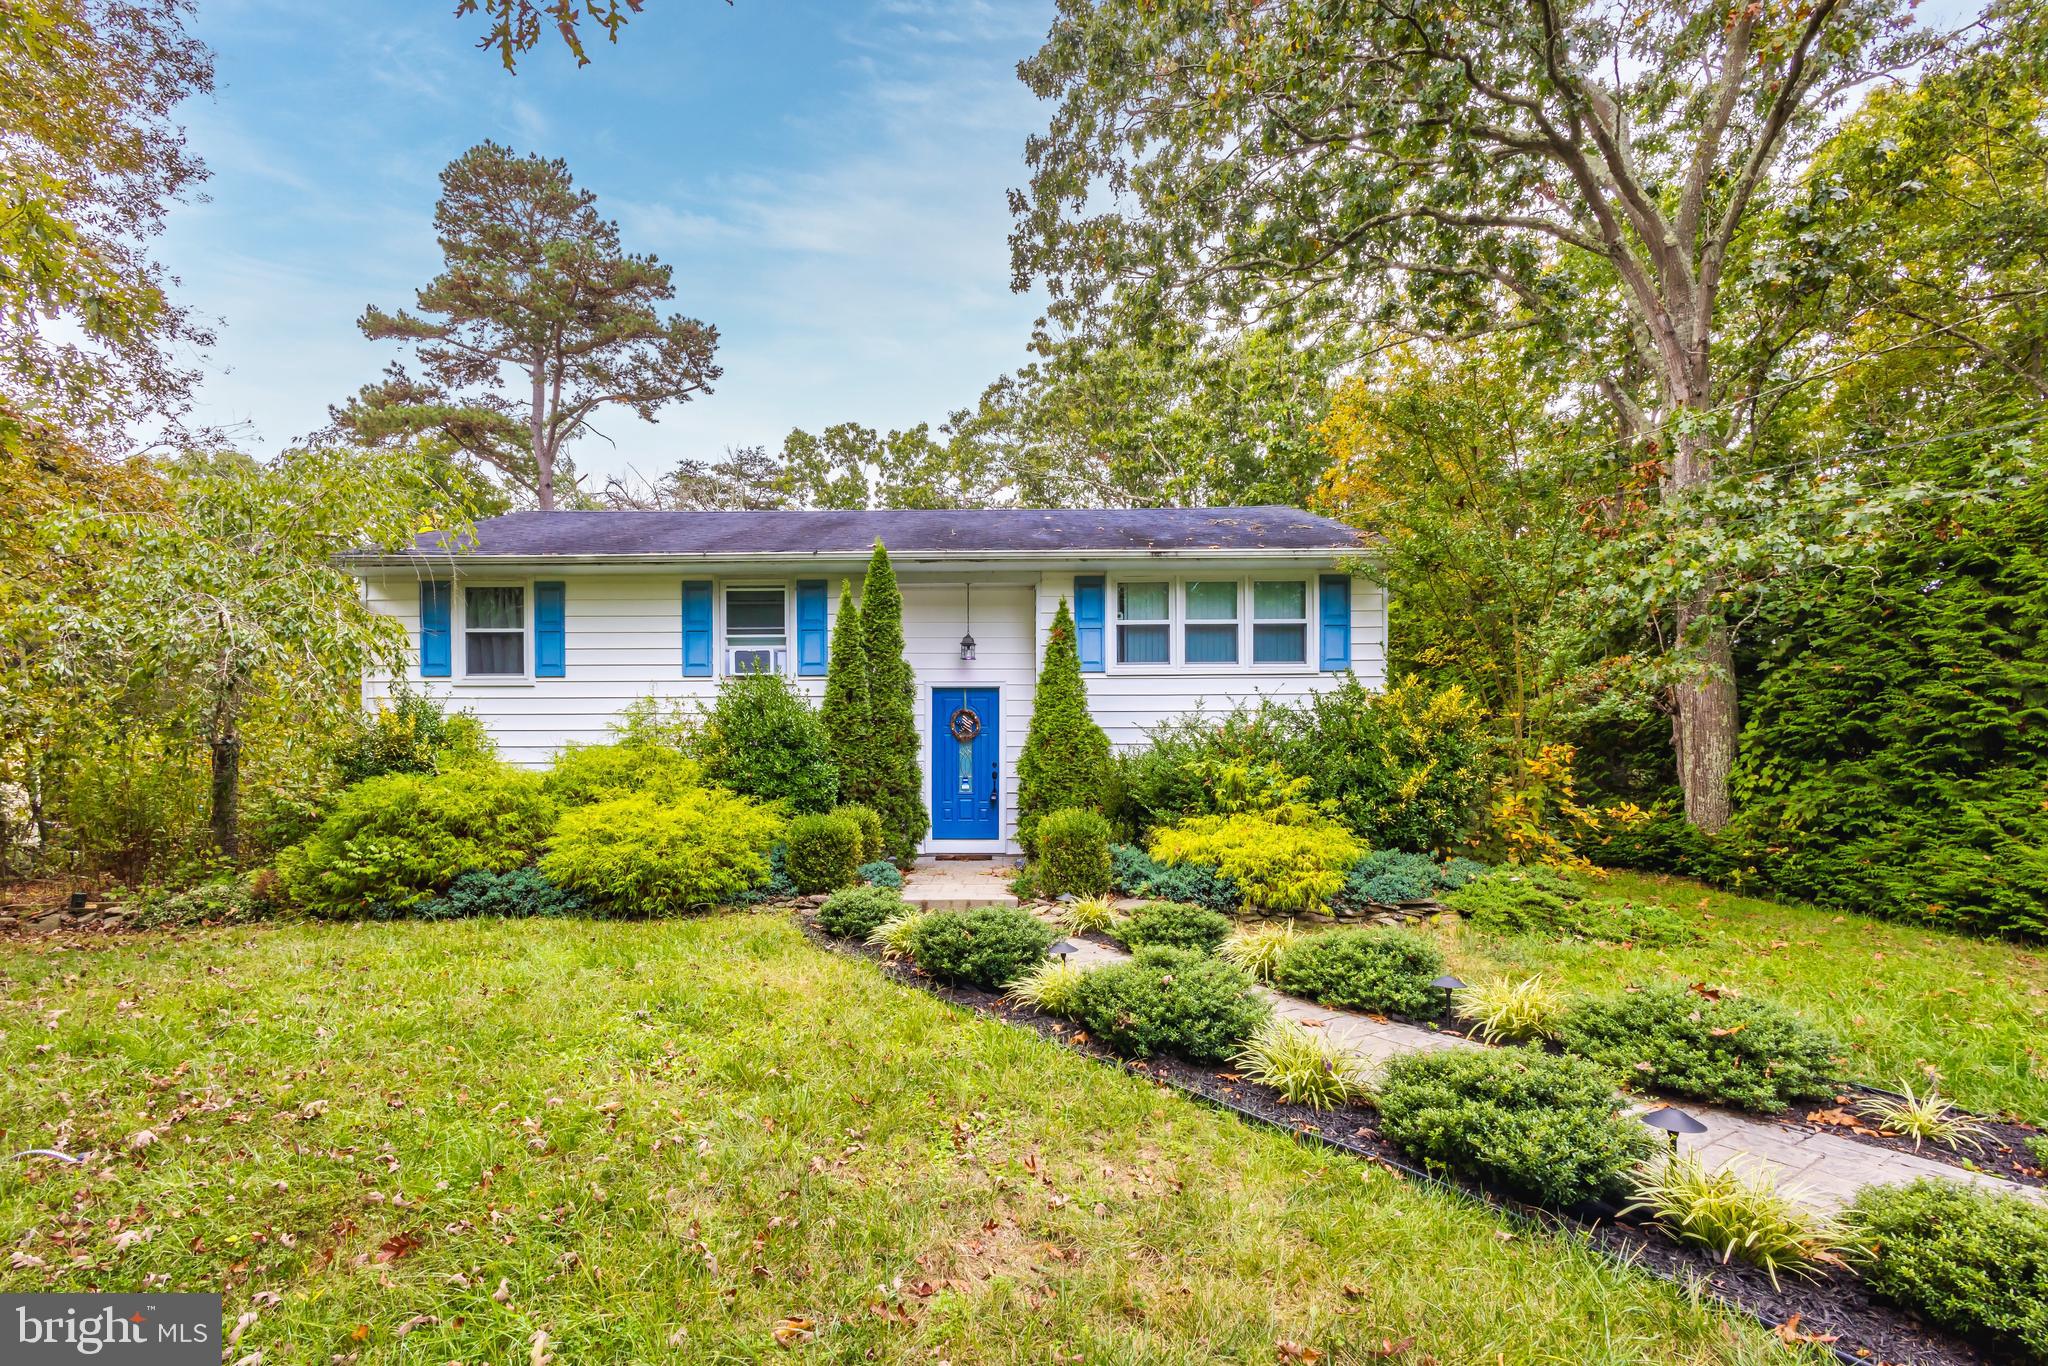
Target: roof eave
854, 556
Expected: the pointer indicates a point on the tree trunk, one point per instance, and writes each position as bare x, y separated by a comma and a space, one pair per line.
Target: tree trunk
543, 457
1704, 718
227, 787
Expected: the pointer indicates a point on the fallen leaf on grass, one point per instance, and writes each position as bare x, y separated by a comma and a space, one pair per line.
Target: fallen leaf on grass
539, 1355
793, 1331
416, 1321
1789, 1334
140, 1139
1356, 1292
1390, 1347
1290, 1350
396, 1246
503, 1293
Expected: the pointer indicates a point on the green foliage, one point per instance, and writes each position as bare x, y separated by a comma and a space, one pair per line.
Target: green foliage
880, 874
1133, 872
658, 723
1170, 1001
1970, 1261
1541, 901
989, 946
1066, 759
643, 856
1174, 925
1404, 768
870, 823
846, 709
1303, 1066
1460, 871
1387, 971
1088, 914
1737, 1050
893, 936
1258, 949
1053, 987
2037, 1148
1073, 853
1506, 1011
1923, 1115
822, 851
221, 901
889, 780
582, 774
512, 894
410, 732
763, 740
396, 840
1386, 876
1163, 781
1279, 867
1541, 1128
856, 912
1735, 1216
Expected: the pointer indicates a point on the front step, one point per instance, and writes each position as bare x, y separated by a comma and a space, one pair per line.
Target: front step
958, 886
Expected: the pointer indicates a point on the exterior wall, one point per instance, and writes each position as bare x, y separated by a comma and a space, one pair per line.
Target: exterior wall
624, 642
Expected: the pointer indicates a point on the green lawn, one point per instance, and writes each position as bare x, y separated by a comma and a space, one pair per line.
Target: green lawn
1903, 999
663, 1138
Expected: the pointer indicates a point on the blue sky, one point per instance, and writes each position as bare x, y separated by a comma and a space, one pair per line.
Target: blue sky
827, 180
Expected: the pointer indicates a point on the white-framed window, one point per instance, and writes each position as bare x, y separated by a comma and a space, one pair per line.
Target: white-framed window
1280, 621
1143, 632
1209, 621
756, 628
494, 627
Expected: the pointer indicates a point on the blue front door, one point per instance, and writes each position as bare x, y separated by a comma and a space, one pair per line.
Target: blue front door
967, 756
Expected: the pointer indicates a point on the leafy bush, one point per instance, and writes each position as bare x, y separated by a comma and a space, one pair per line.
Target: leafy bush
1170, 1001
1504, 1011
1279, 867
395, 840
1543, 902
1737, 1050
989, 946
1968, 1260
1542, 1128
857, 912
1258, 949
513, 893
1164, 781
1052, 986
1073, 853
1305, 1068
822, 849
1133, 872
643, 856
1383, 970
1405, 767
2037, 1148
582, 774
1386, 876
410, 732
222, 901
1459, 871
763, 740
880, 873
1065, 763
1174, 925
870, 822
1734, 1215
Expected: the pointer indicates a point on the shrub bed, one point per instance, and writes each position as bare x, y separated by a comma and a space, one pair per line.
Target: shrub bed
989, 946
1277, 865
1073, 853
881, 873
857, 912
582, 774
870, 822
1546, 1129
1136, 873
1542, 902
1386, 876
823, 851
1736, 1050
1174, 925
1383, 970
223, 901
1170, 1001
643, 856
1971, 1261
513, 893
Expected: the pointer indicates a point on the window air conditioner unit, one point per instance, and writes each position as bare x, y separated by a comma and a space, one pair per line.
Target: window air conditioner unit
755, 659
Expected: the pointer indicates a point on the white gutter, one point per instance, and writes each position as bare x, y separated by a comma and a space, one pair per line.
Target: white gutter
861, 557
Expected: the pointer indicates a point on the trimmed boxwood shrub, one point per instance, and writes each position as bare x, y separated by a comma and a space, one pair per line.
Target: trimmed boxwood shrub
1133, 872
393, 841
822, 851
1543, 1128
989, 946
1171, 1001
514, 893
1736, 1051
856, 911
1073, 853
644, 856
1174, 925
1384, 970
870, 822
1969, 1260
881, 873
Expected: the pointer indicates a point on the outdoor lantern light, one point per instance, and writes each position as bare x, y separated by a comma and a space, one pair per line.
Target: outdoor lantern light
967, 641
1672, 1121
1447, 984
1063, 948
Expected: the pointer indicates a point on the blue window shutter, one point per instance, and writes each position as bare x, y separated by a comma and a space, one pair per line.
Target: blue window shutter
697, 628
1336, 621
810, 628
435, 653
550, 630
1090, 595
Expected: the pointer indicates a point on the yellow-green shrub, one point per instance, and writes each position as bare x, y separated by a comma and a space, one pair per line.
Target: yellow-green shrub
597, 773
1278, 866
645, 856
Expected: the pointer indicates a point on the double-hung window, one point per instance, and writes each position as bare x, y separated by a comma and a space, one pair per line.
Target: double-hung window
494, 631
756, 631
1142, 633
1280, 622
1209, 634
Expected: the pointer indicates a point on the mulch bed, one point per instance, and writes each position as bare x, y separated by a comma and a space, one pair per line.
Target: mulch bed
1834, 1310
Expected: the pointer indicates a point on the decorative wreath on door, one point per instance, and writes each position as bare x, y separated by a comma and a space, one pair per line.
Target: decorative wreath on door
964, 725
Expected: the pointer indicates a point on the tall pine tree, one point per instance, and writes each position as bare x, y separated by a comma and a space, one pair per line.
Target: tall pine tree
895, 785
846, 706
1066, 756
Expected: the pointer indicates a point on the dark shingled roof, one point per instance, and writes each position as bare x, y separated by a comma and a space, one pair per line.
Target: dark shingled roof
955, 531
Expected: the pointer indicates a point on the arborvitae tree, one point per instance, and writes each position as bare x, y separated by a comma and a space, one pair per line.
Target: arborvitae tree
1066, 755
846, 708
895, 784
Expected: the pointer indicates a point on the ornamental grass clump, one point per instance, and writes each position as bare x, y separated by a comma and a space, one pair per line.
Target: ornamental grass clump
1305, 1068
1505, 1011
1387, 971
1173, 925
1732, 1050
1736, 1216
1170, 1001
1542, 1128
1258, 949
1924, 1116
1971, 1261
893, 935
1053, 987
989, 946
855, 912
1088, 915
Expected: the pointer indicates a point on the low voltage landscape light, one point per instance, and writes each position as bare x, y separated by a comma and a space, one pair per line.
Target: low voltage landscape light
1447, 984
1671, 1121
1063, 948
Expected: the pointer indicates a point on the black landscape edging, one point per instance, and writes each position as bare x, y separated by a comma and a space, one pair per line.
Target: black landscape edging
1833, 1302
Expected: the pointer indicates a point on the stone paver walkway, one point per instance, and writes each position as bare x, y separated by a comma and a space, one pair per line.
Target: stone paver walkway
958, 884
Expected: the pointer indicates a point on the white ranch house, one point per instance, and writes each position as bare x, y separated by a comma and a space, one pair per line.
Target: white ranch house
550, 623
